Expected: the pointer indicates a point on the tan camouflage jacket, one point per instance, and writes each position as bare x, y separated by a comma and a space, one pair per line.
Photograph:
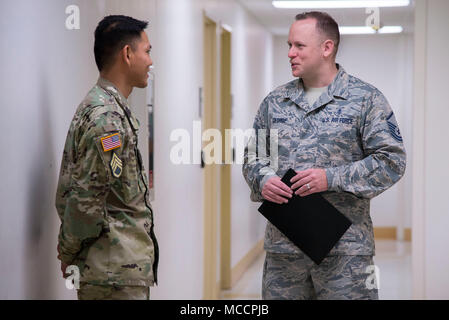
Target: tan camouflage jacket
102, 196
350, 131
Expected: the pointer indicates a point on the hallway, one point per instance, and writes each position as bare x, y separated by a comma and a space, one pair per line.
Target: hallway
208, 228
393, 259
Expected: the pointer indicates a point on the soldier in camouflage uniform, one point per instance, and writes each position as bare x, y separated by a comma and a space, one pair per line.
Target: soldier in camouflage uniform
344, 143
102, 196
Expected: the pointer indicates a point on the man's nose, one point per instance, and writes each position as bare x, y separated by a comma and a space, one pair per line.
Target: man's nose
291, 53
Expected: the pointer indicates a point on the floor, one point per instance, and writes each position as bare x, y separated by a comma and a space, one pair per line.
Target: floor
393, 259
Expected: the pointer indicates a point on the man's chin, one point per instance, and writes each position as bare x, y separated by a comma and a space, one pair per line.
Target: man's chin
142, 85
296, 74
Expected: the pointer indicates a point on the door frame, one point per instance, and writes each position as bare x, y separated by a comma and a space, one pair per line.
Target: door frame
210, 204
225, 168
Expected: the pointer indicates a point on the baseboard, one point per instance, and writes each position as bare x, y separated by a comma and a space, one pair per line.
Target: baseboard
391, 233
217, 291
248, 259
408, 234
245, 262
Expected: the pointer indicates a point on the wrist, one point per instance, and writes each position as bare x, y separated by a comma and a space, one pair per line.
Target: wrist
264, 180
331, 177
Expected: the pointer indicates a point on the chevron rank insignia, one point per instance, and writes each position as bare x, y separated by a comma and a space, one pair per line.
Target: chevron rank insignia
394, 130
116, 165
111, 142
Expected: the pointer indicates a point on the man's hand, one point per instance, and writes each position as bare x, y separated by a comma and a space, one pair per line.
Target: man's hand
63, 269
63, 265
275, 190
309, 181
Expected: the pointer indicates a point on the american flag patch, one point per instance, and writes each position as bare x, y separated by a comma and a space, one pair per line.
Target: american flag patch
111, 142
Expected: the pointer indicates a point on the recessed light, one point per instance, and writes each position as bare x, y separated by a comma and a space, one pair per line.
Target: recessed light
369, 30
339, 4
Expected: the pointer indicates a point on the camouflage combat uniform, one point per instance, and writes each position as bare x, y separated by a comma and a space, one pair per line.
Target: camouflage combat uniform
102, 198
351, 132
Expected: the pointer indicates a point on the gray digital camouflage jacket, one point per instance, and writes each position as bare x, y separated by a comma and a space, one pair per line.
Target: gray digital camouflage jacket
102, 196
350, 131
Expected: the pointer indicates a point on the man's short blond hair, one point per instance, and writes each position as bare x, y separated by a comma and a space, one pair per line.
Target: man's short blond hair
325, 24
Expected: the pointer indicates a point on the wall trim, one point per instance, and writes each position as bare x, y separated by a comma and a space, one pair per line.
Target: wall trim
239, 269
418, 194
391, 233
210, 172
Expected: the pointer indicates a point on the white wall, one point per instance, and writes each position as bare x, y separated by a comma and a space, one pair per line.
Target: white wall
386, 62
46, 72
281, 63
179, 223
431, 106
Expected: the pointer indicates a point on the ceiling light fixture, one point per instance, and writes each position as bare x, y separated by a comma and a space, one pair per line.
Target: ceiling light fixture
329, 4
391, 29
369, 30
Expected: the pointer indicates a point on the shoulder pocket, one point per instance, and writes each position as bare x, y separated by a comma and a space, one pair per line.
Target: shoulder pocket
126, 185
107, 144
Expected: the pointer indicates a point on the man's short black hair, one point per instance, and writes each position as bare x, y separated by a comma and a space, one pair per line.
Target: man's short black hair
112, 34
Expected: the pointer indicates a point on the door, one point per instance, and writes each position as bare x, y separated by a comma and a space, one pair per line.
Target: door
210, 289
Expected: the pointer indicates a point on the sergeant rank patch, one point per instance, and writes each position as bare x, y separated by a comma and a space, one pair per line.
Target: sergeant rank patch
116, 165
111, 142
394, 129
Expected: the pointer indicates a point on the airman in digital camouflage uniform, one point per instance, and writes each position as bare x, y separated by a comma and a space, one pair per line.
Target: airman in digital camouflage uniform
102, 196
340, 135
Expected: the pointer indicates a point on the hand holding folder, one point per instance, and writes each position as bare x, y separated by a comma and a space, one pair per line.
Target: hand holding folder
310, 222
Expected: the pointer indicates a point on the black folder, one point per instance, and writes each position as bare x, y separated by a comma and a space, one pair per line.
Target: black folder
311, 222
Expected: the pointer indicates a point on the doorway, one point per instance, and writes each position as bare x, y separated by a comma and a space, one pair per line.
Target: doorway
210, 287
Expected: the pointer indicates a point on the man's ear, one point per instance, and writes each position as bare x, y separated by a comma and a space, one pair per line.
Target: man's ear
328, 48
126, 54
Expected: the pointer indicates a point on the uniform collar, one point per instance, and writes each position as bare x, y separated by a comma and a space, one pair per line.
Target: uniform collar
121, 100
338, 88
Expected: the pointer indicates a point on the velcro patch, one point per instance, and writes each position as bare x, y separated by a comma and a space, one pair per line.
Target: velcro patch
111, 142
394, 129
116, 165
